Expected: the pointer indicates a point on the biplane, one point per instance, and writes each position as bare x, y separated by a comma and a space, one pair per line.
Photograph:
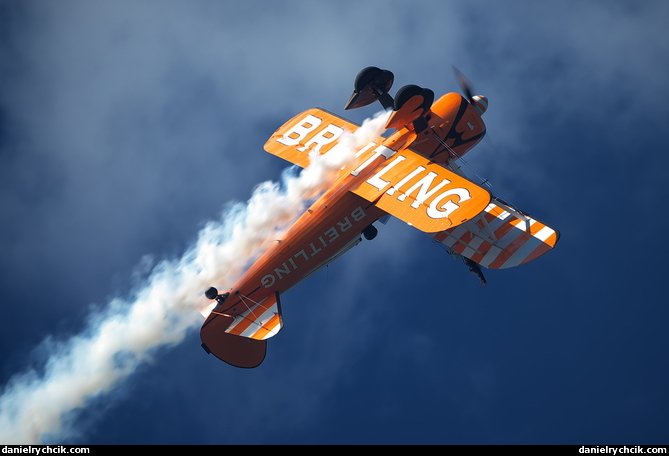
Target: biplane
411, 173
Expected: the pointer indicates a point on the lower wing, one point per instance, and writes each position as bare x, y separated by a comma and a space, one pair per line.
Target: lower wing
500, 237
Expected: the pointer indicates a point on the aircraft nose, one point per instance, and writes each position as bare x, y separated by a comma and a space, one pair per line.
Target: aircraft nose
480, 103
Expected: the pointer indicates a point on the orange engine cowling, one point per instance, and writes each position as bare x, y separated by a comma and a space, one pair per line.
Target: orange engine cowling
455, 126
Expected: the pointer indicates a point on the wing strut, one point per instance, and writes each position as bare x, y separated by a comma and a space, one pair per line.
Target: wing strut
513, 211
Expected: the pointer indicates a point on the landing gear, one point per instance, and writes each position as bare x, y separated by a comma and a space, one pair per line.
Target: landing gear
370, 232
211, 293
411, 104
423, 100
371, 84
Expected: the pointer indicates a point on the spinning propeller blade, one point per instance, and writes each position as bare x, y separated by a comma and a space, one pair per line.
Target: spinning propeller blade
465, 84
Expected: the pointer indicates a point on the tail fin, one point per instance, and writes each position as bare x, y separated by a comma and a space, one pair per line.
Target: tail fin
237, 351
241, 340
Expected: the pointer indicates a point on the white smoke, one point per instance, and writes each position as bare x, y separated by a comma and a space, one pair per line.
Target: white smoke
166, 305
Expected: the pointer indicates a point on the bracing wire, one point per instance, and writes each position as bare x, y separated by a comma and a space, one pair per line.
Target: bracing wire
483, 181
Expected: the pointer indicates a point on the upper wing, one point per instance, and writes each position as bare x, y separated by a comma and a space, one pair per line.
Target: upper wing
403, 183
500, 237
312, 132
420, 192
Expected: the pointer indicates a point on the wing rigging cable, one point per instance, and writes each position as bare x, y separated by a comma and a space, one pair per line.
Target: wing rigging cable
261, 320
500, 237
456, 169
502, 201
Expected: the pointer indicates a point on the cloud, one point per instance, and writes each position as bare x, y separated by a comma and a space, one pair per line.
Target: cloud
125, 333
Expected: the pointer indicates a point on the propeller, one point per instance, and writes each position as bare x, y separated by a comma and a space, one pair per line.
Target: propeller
479, 102
465, 84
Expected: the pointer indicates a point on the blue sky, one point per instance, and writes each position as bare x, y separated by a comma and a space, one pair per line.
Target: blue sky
126, 126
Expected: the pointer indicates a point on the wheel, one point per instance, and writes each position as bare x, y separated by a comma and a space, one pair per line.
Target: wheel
370, 232
409, 91
211, 293
370, 85
405, 93
374, 77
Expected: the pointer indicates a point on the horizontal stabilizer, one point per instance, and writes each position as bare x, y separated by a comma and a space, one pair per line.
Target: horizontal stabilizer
260, 320
500, 237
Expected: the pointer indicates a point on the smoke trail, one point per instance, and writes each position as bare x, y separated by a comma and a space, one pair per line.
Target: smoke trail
165, 306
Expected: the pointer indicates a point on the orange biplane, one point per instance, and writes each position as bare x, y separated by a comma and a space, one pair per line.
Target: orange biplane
410, 174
